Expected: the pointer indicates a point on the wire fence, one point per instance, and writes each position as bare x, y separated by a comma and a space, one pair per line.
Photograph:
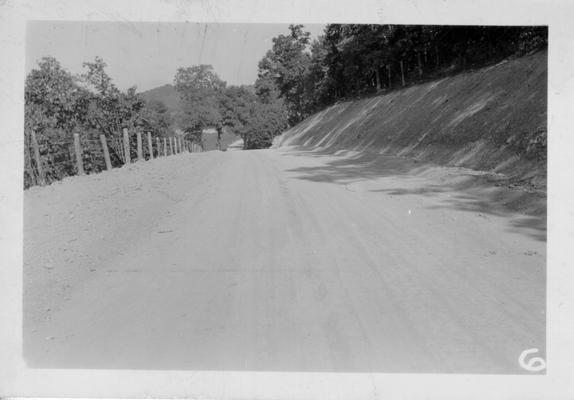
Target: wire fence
51, 156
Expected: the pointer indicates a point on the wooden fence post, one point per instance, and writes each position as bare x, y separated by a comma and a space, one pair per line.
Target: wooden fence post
37, 158
150, 145
78, 150
170, 146
127, 154
140, 148
106, 152
165, 147
175, 148
157, 142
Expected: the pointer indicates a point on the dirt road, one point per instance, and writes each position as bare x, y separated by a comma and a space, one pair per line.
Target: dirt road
281, 260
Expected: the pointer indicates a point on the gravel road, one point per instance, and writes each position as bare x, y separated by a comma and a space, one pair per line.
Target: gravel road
281, 260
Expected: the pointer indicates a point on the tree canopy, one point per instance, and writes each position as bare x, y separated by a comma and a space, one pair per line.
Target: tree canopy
200, 89
281, 70
295, 78
356, 59
59, 104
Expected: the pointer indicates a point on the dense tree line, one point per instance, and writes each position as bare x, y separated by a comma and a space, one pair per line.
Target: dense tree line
356, 59
207, 102
59, 104
296, 78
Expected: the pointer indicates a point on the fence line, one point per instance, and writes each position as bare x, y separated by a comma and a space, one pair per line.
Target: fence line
97, 150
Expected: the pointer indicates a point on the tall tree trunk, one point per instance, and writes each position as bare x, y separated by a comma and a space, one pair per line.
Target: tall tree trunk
420, 64
378, 79
402, 73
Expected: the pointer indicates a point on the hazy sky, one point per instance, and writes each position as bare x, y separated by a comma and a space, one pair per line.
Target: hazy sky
147, 54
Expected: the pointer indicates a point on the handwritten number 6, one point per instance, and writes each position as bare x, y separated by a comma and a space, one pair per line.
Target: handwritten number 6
534, 364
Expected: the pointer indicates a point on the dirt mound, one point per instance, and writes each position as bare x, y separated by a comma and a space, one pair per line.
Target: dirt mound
492, 119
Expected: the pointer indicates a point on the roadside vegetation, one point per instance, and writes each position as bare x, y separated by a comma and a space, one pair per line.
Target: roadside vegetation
296, 78
59, 104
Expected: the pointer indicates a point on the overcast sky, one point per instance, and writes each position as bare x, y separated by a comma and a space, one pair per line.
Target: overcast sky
148, 54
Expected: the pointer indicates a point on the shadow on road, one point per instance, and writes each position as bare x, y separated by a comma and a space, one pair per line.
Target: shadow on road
455, 188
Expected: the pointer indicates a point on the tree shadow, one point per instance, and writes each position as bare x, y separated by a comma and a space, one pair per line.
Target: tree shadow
453, 188
354, 167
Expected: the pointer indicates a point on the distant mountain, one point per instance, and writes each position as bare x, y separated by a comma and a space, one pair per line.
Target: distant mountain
170, 97
166, 94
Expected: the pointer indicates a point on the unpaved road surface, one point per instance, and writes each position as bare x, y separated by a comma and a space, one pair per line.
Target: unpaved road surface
281, 260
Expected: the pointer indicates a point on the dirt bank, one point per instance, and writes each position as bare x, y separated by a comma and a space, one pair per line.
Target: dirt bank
492, 119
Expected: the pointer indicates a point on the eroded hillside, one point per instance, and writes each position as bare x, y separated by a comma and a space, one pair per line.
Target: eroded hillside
493, 119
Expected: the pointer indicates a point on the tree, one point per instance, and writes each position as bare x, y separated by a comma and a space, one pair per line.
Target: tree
200, 89
265, 122
59, 104
351, 59
156, 118
282, 69
52, 110
108, 109
255, 121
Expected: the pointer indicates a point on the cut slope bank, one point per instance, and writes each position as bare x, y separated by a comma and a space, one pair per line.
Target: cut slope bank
493, 119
